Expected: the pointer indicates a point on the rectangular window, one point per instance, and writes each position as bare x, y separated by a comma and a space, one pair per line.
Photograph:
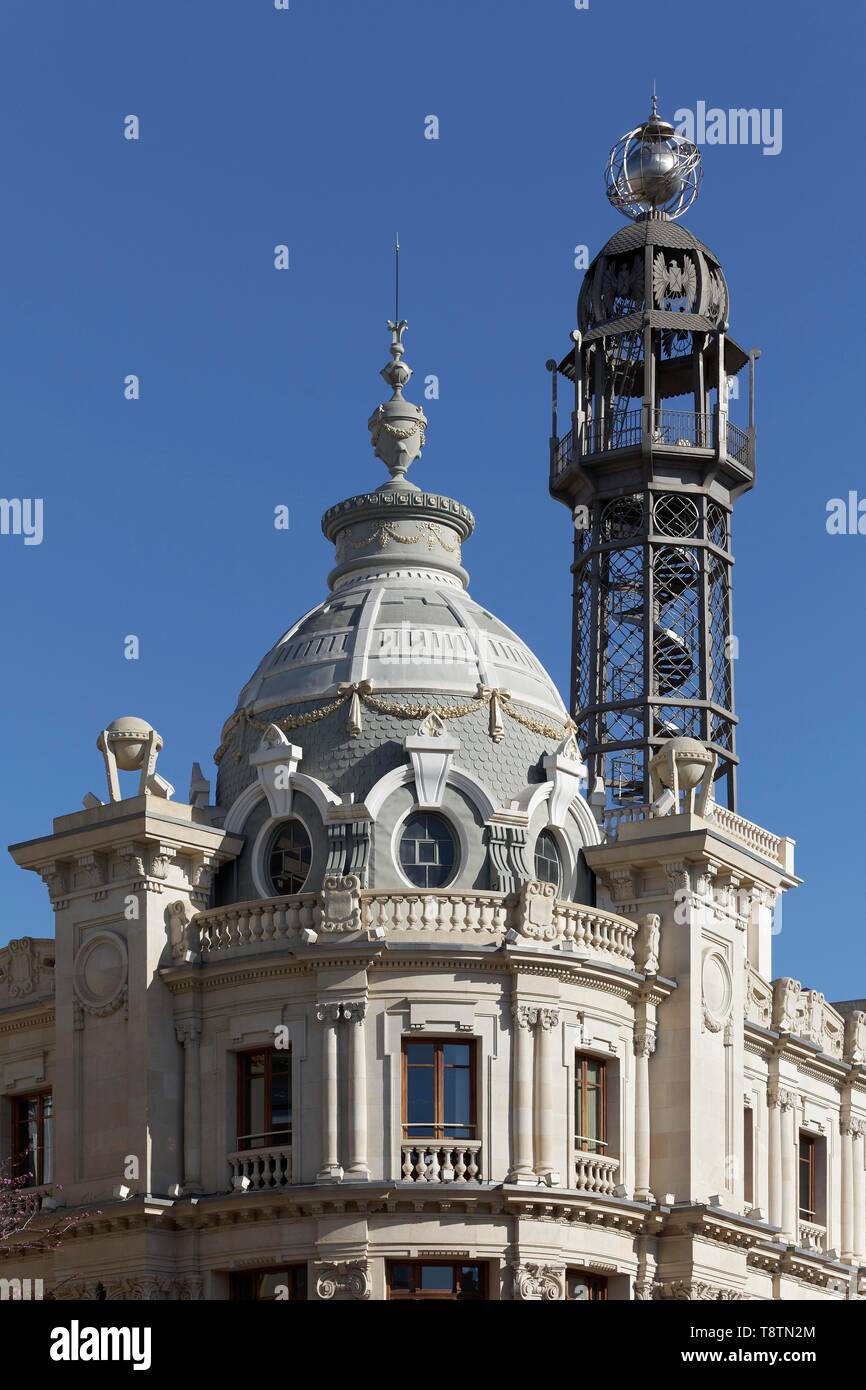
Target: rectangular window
264, 1098
590, 1104
33, 1138
438, 1090
581, 1287
808, 1149
748, 1155
434, 1279
288, 1284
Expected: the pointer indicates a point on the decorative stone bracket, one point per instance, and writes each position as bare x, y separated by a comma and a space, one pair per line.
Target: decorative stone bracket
431, 751
565, 770
507, 841
275, 760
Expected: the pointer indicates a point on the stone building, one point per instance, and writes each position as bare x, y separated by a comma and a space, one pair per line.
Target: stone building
447, 993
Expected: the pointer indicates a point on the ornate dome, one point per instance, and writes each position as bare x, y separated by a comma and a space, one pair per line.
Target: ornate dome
682, 276
398, 637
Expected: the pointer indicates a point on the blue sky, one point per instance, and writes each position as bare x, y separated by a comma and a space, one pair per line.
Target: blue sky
306, 127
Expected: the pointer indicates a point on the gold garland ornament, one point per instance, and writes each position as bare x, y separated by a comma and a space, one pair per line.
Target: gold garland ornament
361, 693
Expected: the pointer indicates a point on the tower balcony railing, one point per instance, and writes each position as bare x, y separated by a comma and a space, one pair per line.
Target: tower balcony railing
486, 918
777, 848
669, 429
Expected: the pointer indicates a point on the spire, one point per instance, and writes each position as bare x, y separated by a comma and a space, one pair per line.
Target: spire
397, 428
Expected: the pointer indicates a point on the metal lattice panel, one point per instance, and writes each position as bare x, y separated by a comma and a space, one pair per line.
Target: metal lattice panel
675, 514
621, 638
717, 525
720, 668
583, 638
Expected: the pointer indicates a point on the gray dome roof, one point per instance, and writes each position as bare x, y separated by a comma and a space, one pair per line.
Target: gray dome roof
410, 630
398, 636
414, 633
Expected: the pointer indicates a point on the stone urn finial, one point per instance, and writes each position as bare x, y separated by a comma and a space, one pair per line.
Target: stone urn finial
397, 428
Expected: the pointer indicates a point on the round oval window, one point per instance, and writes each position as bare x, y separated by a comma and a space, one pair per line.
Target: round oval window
428, 854
548, 865
289, 858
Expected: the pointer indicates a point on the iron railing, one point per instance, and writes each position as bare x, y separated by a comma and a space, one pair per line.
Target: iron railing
738, 445
670, 428
686, 428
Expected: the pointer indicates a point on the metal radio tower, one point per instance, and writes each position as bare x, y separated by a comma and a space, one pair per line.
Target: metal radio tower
650, 469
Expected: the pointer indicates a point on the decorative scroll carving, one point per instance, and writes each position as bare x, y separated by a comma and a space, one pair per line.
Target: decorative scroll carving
348, 1277
339, 908
535, 911
693, 1290
536, 1282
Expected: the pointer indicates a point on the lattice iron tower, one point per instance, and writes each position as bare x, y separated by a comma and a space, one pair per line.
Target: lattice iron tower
650, 469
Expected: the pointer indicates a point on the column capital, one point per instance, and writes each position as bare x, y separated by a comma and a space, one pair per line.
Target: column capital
784, 1099
355, 1010
548, 1018
644, 1042
188, 1031
328, 1011
525, 1015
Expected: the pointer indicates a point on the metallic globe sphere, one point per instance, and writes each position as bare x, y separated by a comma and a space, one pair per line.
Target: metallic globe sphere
653, 172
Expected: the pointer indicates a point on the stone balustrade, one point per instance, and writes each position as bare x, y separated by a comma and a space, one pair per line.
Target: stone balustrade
449, 1161
343, 910
778, 849
811, 1237
263, 1169
442, 913
595, 1173
598, 933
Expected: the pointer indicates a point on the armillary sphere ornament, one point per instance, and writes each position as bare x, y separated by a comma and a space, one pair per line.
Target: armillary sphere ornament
652, 171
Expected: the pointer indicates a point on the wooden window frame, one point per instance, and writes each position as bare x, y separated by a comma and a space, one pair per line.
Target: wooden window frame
439, 1128
19, 1156
294, 1272
597, 1285
581, 1139
810, 1144
416, 1294
748, 1154
243, 1117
